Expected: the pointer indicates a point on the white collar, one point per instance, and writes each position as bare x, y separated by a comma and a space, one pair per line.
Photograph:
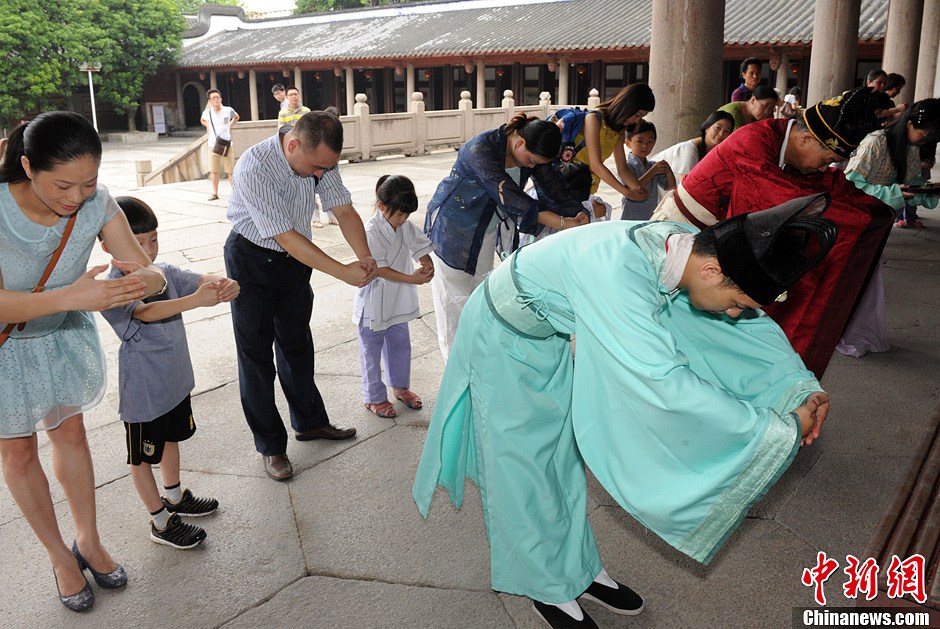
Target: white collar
678, 250
783, 147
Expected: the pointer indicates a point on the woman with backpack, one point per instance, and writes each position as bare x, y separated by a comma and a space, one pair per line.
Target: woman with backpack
485, 188
603, 135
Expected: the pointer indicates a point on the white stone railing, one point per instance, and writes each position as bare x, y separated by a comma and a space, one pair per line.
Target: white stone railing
415, 132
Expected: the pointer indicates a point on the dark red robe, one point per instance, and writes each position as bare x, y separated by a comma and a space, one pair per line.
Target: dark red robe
742, 175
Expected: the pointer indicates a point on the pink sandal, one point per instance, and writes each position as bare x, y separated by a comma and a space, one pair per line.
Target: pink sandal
382, 409
411, 400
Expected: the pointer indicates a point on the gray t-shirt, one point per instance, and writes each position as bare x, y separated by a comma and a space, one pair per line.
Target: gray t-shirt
155, 373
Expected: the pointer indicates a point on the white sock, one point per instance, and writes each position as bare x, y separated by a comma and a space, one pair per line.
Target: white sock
604, 579
175, 493
160, 518
571, 608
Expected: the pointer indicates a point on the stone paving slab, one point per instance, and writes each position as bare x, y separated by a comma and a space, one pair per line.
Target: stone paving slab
344, 604
379, 535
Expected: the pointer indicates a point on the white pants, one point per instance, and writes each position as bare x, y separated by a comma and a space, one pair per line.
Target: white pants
451, 288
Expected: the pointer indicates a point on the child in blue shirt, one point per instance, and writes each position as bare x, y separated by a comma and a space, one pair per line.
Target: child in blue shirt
651, 175
155, 379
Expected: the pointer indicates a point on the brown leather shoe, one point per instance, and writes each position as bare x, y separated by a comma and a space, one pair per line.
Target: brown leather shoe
327, 432
277, 466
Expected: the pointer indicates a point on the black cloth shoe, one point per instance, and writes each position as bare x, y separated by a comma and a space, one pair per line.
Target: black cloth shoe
327, 432
558, 619
621, 600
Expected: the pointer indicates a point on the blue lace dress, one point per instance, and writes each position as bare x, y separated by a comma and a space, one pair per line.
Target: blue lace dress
53, 368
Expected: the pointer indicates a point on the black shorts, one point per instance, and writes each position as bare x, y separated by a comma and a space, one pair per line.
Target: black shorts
145, 440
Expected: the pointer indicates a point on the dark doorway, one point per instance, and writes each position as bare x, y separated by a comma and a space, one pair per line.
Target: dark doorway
192, 106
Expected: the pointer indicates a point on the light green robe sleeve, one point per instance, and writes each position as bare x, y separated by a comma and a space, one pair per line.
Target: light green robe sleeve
683, 416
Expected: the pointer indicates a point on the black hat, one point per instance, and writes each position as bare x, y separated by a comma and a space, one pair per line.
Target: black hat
766, 252
841, 123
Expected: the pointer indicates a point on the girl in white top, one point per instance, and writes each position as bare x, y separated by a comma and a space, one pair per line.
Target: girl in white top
383, 308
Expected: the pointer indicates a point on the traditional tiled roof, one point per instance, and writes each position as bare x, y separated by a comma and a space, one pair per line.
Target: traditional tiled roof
483, 27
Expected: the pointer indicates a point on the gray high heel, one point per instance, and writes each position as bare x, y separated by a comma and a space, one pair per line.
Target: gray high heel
111, 580
79, 601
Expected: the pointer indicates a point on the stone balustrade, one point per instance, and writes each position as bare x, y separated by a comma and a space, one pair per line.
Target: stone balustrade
368, 136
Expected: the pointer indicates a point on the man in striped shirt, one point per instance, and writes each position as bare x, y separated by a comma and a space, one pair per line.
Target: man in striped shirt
270, 254
294, 111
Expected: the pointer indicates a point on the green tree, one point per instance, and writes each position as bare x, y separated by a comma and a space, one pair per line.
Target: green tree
135, 39
41, 47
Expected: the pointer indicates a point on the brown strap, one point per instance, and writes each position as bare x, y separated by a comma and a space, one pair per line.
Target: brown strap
45, 274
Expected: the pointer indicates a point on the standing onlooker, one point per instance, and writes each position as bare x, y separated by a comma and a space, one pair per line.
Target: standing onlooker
750, 79
652, 175
51, 365
384, 307
280, 95
485, 188
294, 110
270, 254
760, 106
218, 120
157, 410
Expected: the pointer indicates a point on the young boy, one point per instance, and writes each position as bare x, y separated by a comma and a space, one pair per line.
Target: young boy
651, 175
155, 380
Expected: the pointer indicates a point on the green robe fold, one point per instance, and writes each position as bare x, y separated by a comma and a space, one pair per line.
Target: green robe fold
683, 416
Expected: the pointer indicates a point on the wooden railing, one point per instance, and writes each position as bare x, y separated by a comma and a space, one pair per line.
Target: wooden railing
367, 136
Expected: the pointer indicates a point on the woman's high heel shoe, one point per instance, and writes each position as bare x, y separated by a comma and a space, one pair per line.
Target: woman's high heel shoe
111, 580
79, 601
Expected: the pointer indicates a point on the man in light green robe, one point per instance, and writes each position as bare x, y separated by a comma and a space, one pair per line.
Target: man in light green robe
684, 411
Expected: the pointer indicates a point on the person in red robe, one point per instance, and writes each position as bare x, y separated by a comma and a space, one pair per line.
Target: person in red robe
772, 161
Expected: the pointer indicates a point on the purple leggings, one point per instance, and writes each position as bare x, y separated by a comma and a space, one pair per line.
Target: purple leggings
393, 346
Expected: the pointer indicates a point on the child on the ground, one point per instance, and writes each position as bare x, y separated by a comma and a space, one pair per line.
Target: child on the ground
652, 175
155, 379
383, 308
577, 178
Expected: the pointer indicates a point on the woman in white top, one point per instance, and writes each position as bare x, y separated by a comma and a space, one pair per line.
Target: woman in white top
682, 157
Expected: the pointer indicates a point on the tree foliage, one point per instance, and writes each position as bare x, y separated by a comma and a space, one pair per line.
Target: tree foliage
42, 45
311, 6
138, 38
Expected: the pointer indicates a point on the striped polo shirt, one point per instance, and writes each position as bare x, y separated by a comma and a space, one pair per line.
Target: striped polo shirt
289, 116
269, 198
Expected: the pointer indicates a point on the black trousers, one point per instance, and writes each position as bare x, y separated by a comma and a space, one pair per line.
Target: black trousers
271, 318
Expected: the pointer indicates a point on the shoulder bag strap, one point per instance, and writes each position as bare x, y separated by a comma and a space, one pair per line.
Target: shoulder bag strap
45, 274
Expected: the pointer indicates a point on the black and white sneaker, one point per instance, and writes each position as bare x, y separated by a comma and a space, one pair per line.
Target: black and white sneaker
620, 600
177, 533
557, 619
190, 506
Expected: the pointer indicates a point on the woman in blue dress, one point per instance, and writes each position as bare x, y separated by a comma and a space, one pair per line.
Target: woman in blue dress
51, 365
